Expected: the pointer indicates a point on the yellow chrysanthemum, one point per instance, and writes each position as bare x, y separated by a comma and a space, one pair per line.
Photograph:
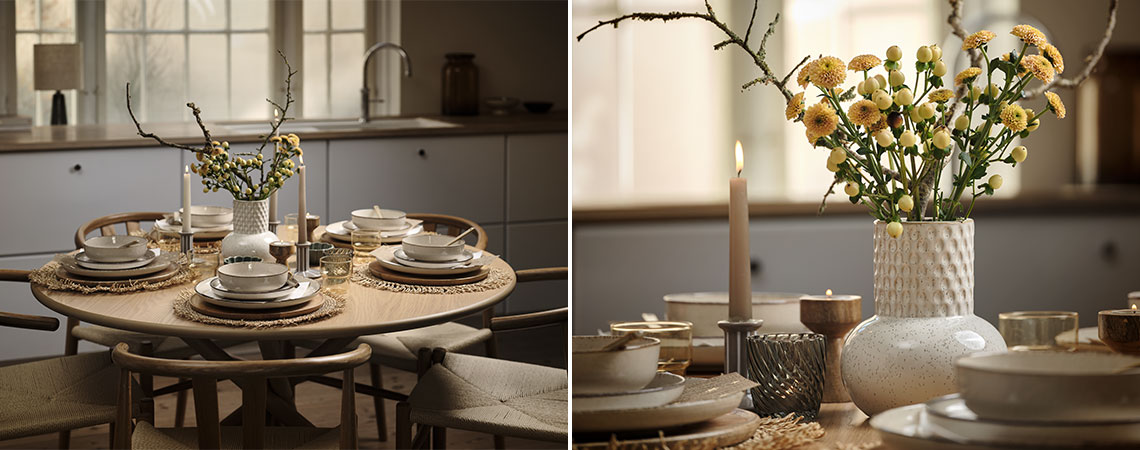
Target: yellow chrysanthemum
879, 124
864, 62
829, 72
1014, 118
941, 95
967, 75
795, 106
1054, 56
1029, 35
804, 77
977, 39
821, 120
1039, 66
811, 137
864, 112
1055, 104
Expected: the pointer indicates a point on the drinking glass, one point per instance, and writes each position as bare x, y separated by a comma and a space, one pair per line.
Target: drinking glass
789, 368
1039, 330
364, 242
676, 342
288, 230
335, 272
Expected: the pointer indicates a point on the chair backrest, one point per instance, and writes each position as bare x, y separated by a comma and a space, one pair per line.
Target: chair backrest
106, 224
534, 319
14, 320
252, 375
452, 226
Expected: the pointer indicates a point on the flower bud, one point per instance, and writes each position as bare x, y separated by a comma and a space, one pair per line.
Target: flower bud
907, 139
939, 68
894, 229
993, 90
894, 120
936, 51
884, 138
881, 80
903, 97
996, 181
1033, 126
861, 88
915, 116
926, 110
975, 92
882, 99
1019, 153
906, 203
897, 78
894, 53
851, 189
873, 84
941, 139
832, 167
924, 54
837, 156
961, 123
205, 190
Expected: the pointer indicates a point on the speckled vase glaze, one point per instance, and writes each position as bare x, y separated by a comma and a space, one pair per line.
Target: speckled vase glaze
924, 318
251, 235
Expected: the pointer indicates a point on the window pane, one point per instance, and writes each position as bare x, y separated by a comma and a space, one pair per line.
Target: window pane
249, 14
208, 81
207, 14
124, 14
25, 14
57, 15
347, 14
249, 78
164, 79
124, 64
347, 55
316, 96
316, 15
165, 14
25, 95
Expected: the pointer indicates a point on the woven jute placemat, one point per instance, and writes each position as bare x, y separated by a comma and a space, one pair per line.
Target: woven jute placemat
47, 277
334, 304
495, 280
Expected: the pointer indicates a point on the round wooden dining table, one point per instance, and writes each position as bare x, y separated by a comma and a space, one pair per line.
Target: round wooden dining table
366, 311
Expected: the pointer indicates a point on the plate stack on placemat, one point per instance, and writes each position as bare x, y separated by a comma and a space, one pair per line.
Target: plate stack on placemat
394, 264
393, 226
107, 260
206, 222
256, 291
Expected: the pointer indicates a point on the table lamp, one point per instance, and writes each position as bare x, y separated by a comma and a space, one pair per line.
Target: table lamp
58, 67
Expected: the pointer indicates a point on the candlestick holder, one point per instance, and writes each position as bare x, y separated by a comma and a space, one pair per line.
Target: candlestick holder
302, 261
832, 316
186, 244
273, 225
736, 335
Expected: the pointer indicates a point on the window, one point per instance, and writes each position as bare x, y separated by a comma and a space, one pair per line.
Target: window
334, 37
40, 22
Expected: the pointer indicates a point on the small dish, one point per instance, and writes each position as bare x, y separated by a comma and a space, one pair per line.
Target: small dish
368, 220
403, 258
664, 388
83, 260
306, 289
677, 413
538, 107
501, 106
217, 288
202, 216
251, 277
114, 249
950, 418
433, 248
628, 369
342, 231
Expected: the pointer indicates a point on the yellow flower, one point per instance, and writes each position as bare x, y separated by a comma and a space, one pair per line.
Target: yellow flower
880, 124
1054, 56
1039, 66
1029, 35
275, 139
1014, 118
829, 72
804, 76
977, 39
941, 96
967, 76
812, 138
1055, 104
820, 120
795, 106
864, 62
864, 112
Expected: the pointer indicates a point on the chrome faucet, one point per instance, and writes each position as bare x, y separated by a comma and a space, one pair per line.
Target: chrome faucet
365, 93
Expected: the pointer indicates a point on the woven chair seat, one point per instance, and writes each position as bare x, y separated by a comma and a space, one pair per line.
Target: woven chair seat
57, 394
146, 436
400, 349
493, 396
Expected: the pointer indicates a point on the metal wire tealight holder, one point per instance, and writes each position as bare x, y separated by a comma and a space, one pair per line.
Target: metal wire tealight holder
790, 370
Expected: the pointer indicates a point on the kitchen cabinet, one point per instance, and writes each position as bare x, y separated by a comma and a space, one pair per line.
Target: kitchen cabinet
536, 245
536, 177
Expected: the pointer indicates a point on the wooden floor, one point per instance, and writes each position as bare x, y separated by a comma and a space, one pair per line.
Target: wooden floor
320, 404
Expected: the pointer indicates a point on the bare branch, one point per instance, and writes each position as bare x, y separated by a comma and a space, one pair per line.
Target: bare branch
144, 134
198, 118
1090, 61
751, 20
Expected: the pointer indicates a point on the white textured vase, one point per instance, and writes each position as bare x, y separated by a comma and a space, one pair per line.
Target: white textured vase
924, 318
251, 235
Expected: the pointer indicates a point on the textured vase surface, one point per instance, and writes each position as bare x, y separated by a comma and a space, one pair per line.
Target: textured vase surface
251, 235
924, 318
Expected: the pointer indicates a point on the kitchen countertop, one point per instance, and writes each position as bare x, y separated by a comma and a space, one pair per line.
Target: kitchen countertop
81, 137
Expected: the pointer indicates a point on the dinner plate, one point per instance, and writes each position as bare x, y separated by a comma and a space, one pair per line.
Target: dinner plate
664, 388
670, 415
169, 272
386, 256
408, 224
950, 418
171, 225
341, 231
157, 264
221, 291
83, 260
403, 258
305, 291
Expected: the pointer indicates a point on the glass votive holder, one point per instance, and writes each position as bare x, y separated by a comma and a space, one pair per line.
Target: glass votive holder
789, 368
336, 270
676, 342
363, 243
288, 229
1039, 330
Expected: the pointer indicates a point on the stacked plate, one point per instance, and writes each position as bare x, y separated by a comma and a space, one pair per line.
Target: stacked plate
396, 258
117, 258
393, 226
256, 286
206, 222
1026, 400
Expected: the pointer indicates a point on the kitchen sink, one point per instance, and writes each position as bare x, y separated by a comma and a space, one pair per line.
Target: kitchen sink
311, 126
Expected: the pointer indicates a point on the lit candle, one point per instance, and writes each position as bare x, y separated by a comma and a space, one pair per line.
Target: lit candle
302, 230
832, 316
1133, 299
1120, 330
273, 195
186, 199
739, 271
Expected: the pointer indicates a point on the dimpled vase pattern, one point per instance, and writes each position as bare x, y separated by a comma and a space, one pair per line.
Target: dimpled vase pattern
251, 235
924, 318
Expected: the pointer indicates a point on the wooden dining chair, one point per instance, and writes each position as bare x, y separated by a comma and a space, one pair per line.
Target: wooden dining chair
252, 376
53, 395
452, 226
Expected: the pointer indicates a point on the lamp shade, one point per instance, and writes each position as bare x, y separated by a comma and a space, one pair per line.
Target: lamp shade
58, 67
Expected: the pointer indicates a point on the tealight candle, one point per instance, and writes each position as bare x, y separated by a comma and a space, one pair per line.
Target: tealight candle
832, 316
1119, 329
1134, 299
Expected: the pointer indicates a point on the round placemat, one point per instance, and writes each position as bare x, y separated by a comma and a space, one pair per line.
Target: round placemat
333, 305
379, 271
496, 279
48, 277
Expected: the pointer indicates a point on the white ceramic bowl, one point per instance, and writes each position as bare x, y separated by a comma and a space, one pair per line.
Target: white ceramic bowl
210, 216
1050, 386
367, 219
253, 276
779, 310
629, 369
432, 247
109, 249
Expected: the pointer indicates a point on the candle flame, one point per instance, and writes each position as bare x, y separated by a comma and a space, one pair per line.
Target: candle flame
1133, 307
301, 158
275, 113
739, 158
186, 169
829, 292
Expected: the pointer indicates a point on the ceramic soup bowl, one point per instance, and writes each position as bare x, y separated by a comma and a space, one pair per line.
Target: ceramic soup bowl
628, 369
433, 247
368, 220
210, 216
253, 276
110, 249
1050, 386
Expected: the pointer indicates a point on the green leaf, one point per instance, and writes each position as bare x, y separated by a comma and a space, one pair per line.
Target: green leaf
965, 157
989, 190
854, 200
863, 151
891, 65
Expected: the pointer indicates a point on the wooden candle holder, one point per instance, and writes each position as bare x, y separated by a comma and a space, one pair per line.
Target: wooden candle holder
1120, 330
832, 316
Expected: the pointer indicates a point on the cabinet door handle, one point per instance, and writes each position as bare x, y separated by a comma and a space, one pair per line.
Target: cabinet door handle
422, 153
754, 266
76, 168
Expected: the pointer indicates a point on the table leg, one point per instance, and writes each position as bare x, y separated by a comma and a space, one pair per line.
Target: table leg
277, 406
